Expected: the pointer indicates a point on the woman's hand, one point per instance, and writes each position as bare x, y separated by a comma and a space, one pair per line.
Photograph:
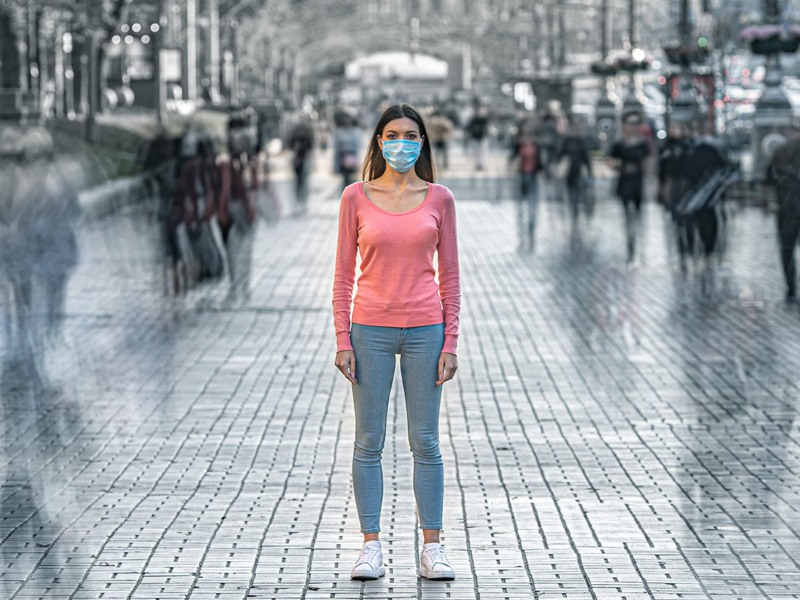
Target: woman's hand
448, 364
346, 363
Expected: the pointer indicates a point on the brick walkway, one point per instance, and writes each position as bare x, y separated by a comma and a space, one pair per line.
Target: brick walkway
613, 432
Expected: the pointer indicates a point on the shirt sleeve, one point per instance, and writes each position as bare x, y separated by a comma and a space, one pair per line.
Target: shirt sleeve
449, 278
345, 272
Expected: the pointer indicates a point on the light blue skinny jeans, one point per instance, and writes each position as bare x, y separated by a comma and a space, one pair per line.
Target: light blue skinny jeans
376, 349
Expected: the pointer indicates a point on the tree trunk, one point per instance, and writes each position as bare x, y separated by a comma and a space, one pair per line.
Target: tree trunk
9, 53
772, 9
95, 61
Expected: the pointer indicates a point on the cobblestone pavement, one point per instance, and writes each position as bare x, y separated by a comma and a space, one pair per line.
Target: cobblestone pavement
614, 431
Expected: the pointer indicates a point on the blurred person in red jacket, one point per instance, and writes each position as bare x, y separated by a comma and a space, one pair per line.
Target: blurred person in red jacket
236, 212
193, 206
526, 152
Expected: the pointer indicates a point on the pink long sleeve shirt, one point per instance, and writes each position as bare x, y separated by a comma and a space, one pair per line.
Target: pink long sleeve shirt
398, 285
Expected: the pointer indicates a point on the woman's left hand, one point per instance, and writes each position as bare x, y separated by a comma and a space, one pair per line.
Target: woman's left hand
448, 365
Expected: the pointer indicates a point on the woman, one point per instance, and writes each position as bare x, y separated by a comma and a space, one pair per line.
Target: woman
631, 152
396, 220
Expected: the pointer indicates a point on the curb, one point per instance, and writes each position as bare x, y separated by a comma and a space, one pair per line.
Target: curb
112, 196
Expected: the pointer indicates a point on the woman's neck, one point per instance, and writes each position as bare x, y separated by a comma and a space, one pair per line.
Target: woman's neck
394, 179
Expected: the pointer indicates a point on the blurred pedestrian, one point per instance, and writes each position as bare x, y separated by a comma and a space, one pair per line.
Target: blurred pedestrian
669, 158
396, 220
477, 130
630, 153
526, 152
346, 140
14, 269
196, 252
673, 184
158, 162
188, 146
784, 171
440, 129
236, 212
549, 141
244, 136
51, 232
301, 143
38, 248
575, 150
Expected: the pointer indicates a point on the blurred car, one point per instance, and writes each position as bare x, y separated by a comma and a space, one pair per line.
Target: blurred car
736, 94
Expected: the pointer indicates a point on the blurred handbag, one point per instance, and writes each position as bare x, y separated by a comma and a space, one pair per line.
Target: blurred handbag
238, 215
208, 250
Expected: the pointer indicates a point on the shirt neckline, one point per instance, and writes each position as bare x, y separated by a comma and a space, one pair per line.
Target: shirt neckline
389, 212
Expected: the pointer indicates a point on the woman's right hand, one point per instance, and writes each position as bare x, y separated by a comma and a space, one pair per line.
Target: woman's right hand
346, 363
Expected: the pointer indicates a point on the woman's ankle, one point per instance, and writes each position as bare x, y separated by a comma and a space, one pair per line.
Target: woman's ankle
430, 536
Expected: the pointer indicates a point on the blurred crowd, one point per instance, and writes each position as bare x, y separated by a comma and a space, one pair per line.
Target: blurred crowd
207, 189
688, 174
213, 186
552, 154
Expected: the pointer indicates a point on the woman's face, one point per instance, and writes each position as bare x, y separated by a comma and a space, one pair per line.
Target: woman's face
401, 129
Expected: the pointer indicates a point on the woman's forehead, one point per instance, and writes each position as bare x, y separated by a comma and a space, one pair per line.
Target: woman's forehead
401, 125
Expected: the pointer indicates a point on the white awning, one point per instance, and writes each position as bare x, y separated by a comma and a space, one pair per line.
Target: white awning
402, 65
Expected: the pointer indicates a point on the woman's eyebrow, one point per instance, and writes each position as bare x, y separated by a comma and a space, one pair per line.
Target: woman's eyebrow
407, 131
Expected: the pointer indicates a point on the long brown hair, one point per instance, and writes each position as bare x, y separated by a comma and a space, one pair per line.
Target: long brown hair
375, 164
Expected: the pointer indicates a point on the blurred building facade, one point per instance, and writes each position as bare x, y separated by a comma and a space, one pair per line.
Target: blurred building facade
73, 58
220, 50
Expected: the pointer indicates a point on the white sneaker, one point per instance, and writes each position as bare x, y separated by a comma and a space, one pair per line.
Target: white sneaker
370, 563
433, 563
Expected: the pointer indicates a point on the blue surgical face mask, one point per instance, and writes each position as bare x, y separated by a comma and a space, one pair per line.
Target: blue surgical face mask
401, 155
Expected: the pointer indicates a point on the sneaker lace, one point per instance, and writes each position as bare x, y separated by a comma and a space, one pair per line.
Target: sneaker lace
436, 555
369, 554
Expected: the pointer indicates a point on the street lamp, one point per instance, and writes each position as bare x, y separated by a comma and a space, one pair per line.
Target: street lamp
606, 109
632, 102
684, 108
773, 111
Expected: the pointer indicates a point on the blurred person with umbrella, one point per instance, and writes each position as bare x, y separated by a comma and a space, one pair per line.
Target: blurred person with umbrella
694, 175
